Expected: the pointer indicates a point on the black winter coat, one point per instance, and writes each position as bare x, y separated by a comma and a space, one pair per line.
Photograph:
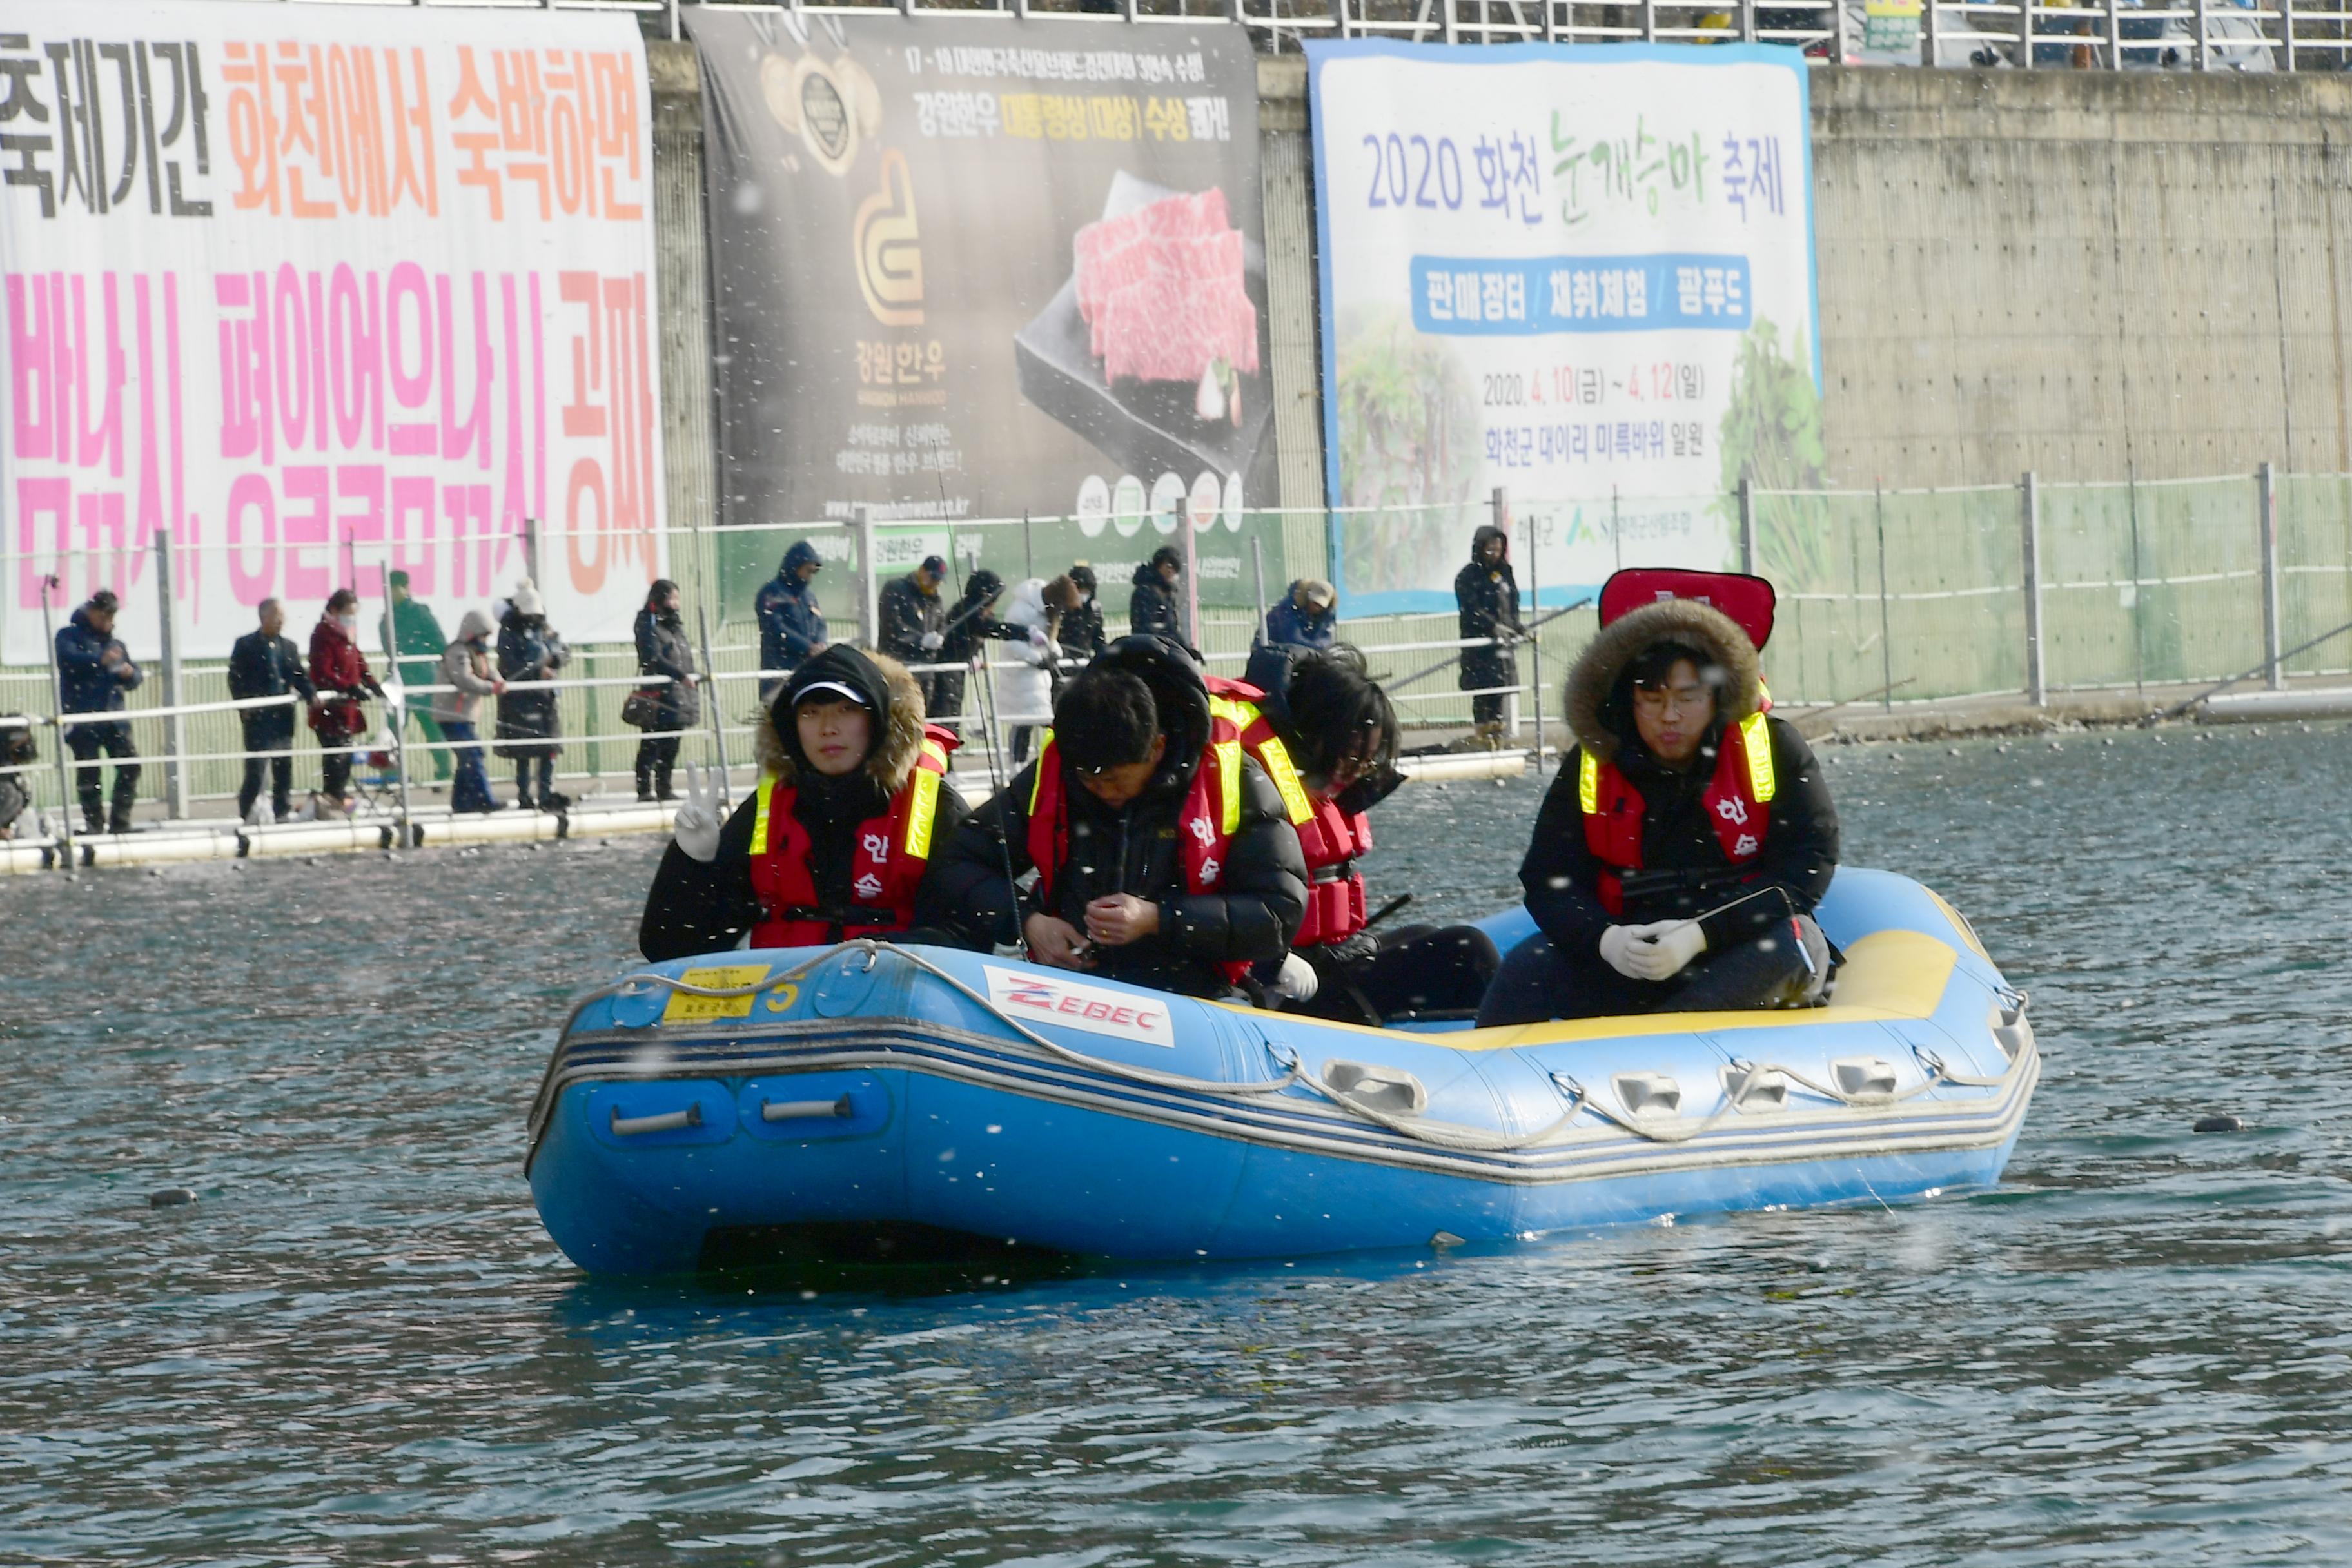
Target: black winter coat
1152, 607
1562, 876
662, 650
262, 666
694, 908
1082, 631
529, 650
908, 614
1487, 600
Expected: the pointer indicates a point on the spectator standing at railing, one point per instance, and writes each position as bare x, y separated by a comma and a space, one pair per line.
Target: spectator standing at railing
417, 640
912, 617
17, 753
663, 650
1487, 592
530, 721
341, 673
968, 626
1309, 615
791, 627
1082, 626
466, 668
95, 670
266, 663
1152, 608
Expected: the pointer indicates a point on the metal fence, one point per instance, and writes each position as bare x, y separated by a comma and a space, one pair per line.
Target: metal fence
1886, 598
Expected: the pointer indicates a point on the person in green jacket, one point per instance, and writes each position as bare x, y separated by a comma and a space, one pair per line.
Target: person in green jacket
417, 643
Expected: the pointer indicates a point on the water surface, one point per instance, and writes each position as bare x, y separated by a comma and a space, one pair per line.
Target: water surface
360, 1347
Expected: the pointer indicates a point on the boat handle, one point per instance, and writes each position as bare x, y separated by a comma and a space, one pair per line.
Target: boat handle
806, 1109
667, 1122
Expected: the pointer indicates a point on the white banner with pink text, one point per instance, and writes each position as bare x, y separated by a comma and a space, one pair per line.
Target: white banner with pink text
325, 292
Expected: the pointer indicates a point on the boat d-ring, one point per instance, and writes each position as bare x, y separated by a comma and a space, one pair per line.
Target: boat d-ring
667, 1122
841, 1108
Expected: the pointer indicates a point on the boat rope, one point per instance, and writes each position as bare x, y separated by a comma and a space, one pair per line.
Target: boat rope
1441, 1135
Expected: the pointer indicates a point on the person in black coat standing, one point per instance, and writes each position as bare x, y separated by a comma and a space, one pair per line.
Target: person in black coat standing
265, 663
1151, 609
1081, 634
529, 722
1486, 594
912, 617
663, 650
1680, 853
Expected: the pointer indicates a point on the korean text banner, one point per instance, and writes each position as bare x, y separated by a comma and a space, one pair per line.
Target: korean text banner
1581, 275
984, 267
326, 292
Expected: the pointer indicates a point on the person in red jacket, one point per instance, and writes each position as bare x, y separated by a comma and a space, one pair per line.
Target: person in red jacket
341, 673
1326, 734
837, 839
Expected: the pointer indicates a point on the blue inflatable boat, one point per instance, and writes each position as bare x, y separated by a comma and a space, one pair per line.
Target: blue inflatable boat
702, 1111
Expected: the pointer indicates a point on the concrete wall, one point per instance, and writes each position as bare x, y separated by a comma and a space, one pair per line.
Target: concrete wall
2081, 273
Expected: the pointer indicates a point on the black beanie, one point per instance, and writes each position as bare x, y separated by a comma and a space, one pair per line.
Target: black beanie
841, 667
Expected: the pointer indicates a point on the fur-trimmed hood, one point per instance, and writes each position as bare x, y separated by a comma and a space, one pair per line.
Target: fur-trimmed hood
893, 755
1593, 709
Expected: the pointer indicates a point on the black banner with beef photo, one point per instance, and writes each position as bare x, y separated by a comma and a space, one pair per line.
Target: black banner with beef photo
985, 268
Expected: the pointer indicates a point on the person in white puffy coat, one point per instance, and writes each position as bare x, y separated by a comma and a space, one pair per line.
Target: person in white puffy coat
1026, 690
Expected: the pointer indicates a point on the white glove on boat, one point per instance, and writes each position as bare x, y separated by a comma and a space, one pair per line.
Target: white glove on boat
1298, 981
696, 826
1616, 949
933, 642
1663, 948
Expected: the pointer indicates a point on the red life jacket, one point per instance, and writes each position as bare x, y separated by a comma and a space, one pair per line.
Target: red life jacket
1212, 812
888, 864
1331, 838
1738, 802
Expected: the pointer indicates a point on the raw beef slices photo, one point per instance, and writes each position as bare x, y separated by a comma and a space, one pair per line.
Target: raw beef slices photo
1161, 290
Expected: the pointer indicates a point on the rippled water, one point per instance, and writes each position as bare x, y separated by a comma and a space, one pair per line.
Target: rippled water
359, 1346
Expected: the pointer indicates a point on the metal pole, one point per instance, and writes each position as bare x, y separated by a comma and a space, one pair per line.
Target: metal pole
175, 727
403, 833
1838, 31
1191, 576
2204, 39
1498, 516
869, 609
1746, 525
1746, 21
2287, 32
1028, 549
1257, 559
1535, 596
2037, 689
1649, 21
2115, 36
1933, 31
2025, 35
711, 695
533, 550
2139, 640
2266, 484
57, 720
1885, 622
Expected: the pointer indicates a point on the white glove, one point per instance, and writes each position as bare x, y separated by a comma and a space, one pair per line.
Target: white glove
1036, 636
933, 642
1661, 950
1616, 950
1297, 980
696, 826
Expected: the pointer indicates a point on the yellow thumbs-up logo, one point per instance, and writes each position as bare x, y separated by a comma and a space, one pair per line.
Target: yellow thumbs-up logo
889, 248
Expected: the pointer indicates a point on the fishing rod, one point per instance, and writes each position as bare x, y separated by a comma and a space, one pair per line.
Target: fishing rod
2177, 708
1524, 634
1857, 697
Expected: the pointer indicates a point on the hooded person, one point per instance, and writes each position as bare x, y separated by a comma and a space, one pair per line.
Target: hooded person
1309, 615
1683, 847
1082, 625
466, 670
1163, 853
529, 722
94, 671
965, 627
340, 672
912, 617
1152, 608
1326, 735
791, 627
1487, 596
837, 840
663, 651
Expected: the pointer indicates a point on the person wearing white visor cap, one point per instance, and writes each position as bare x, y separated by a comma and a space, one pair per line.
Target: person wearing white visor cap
837, 839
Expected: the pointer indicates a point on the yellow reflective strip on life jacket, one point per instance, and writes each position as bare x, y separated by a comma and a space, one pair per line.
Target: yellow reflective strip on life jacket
1037, 778
1757, 735
936, 751
1587, 784
1276, 756
1229, 776
921, 812
765, 795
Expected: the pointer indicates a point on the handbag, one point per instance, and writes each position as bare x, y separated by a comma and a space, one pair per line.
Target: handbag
641, 708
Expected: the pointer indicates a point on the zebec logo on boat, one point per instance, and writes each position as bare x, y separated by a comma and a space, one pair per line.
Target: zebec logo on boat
1036, 998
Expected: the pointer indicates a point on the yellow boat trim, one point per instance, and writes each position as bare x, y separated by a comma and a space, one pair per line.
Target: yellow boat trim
1889, 976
